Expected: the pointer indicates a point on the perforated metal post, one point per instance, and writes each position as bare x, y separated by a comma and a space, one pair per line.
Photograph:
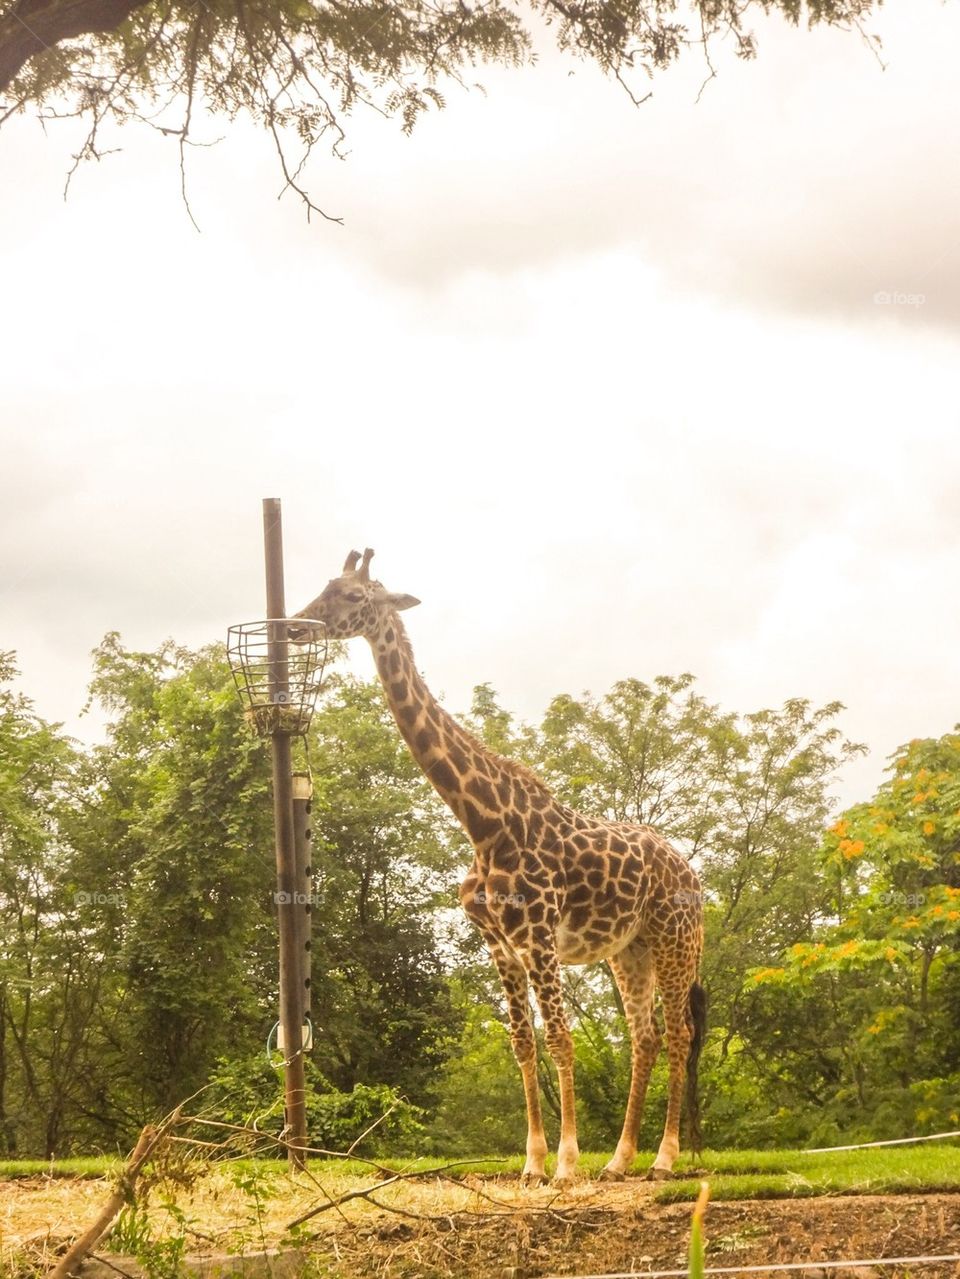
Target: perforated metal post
291, 1012
302, 837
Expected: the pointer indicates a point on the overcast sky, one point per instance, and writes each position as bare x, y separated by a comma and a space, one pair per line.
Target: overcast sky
608, 388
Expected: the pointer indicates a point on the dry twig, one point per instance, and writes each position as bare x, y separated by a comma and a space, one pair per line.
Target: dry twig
150, 1139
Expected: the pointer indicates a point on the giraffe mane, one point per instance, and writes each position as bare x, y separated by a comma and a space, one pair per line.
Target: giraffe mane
512, 766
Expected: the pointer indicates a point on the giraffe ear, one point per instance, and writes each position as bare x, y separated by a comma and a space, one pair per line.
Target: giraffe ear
392, 600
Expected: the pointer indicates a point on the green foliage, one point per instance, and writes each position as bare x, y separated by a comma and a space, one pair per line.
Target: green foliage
138, 945
131, 1231
491, 723
639, 754
139, 879
338, 1121
480, 1107
249, 1093
182, 902
159, 1246
876, 984
386, 866
47, 990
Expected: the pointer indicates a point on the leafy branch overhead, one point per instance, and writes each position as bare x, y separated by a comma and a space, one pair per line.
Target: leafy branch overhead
303, 65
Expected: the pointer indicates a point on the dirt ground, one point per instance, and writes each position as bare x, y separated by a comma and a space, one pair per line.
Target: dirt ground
616, 1229
490, 1227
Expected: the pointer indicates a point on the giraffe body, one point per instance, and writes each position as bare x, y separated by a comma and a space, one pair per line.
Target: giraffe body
548, 886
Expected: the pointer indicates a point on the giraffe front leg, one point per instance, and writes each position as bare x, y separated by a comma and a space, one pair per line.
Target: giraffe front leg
522, 1039
544, 971
534, 1172
513, 977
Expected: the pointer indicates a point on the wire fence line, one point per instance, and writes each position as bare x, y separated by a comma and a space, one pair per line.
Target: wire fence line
773, 1267
866, 1145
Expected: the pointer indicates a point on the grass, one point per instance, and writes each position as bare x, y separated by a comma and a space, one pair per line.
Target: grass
80, 1168
733, 1174
784, 1174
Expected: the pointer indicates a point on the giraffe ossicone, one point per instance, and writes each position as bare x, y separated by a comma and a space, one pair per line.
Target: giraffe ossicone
549, 886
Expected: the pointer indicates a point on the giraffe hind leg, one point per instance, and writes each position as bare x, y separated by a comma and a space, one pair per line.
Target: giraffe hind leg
634, 973
678, 1015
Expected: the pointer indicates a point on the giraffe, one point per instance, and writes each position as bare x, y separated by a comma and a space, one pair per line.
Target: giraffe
548, 886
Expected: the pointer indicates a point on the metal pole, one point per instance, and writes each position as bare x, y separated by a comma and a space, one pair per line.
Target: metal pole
302, 835
291, 1011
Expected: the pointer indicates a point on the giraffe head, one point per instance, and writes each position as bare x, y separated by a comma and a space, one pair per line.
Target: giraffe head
352, 604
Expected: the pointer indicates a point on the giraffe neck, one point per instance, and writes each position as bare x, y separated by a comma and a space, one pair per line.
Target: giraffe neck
475, 783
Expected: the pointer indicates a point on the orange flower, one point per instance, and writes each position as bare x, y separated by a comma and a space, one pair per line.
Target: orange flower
929, 828
851, 848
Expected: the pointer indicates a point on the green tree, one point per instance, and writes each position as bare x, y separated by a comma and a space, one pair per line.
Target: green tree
881, 974
385, 865
181, 791
492, 723
45, 988
640, 754
173, 867
770, 777
480, 1107
139, 943
290, 65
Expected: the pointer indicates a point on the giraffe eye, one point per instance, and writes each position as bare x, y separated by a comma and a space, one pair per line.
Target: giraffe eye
354, 597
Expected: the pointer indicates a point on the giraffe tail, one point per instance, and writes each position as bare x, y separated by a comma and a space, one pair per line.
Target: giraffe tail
697, 1003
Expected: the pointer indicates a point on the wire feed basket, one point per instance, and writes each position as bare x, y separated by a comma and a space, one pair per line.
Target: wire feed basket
278, 677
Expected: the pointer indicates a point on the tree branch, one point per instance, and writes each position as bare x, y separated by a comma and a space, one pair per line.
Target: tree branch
31, 26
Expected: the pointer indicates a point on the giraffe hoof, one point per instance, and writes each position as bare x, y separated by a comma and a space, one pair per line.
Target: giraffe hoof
659, 1174
531, 1179
611, 1174
562, 1182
